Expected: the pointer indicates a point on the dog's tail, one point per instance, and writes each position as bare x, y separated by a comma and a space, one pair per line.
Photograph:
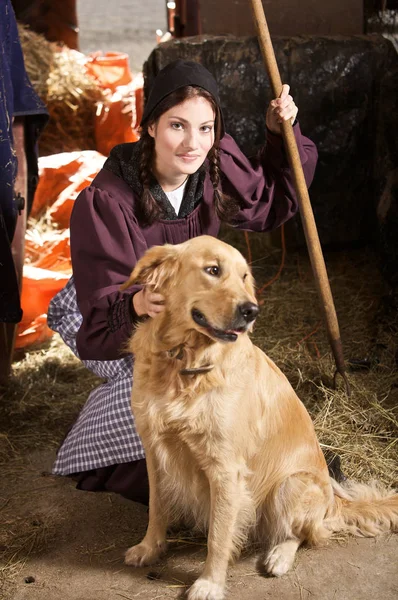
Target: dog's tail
363, 510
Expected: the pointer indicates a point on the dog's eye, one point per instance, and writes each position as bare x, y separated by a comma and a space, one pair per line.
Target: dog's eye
214, 271
245, 277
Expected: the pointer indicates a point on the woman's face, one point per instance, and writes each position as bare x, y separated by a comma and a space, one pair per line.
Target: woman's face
183, 137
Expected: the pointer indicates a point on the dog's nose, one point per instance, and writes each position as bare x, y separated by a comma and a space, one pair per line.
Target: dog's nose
249, 311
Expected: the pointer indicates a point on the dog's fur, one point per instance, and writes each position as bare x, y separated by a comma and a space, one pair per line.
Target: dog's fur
229, 445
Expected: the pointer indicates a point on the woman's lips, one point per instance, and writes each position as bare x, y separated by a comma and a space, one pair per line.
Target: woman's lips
188, 157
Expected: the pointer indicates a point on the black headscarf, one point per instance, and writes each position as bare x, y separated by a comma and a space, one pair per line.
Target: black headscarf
176, 75
123, 159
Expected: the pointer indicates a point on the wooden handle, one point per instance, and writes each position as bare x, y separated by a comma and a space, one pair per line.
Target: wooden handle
307, 215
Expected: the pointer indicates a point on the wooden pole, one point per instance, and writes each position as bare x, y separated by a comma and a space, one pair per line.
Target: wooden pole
307, 215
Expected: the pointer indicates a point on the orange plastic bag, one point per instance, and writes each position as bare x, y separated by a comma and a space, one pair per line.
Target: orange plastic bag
139, 98
115, 120
62, 177
118, 118
61, 210
37, 332
54, 173
47, 273
39, 287
50, 253
110, 69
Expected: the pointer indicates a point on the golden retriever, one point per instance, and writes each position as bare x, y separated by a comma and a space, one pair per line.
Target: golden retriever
228, 443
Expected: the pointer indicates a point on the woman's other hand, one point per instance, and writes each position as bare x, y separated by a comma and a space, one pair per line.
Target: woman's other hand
148, 303
281, 109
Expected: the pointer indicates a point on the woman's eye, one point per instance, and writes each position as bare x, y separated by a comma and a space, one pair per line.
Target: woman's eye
206, 128
214, 271
176, 125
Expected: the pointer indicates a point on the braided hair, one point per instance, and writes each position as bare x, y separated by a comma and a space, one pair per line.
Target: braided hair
226, 207
149, 209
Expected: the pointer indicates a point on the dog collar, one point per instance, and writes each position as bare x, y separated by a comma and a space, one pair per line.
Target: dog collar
197, 371
178, 354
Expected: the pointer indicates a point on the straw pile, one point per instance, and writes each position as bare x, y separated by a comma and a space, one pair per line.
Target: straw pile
71, 96
361, 429
49, 385
38, 57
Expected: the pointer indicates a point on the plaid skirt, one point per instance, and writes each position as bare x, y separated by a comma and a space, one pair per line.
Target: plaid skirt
104, 433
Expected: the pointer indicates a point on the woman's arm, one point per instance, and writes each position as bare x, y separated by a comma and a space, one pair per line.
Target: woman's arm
105, 245
265, 185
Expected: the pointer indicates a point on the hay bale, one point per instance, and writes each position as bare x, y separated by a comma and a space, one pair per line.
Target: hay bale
59, 77
38, 56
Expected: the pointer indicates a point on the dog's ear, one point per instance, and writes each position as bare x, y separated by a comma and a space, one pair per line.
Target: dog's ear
157, 265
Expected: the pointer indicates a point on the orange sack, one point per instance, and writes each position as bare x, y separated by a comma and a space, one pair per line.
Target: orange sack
61, 177
54, 173
38, 331
39, 287
115, 119
110, 69
118, 117
138, 85
52, 252
47, 253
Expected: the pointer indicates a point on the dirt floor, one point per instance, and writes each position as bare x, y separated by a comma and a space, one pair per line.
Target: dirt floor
58, 542
84, 535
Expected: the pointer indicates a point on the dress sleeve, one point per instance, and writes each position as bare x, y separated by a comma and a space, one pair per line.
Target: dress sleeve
106, 243
264, 185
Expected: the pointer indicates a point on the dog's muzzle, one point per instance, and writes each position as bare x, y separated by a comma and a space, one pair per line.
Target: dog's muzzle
245, 314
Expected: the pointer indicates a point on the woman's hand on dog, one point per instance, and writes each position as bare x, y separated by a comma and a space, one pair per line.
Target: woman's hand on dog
148, 303
281, 109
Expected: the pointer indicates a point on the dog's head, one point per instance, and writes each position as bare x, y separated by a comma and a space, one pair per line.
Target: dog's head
207, 284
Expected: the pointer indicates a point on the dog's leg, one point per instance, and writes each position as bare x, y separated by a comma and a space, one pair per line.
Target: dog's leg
154, 542
227, 494
280, 558
295, 514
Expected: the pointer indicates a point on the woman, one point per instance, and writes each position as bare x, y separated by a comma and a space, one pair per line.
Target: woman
181, 179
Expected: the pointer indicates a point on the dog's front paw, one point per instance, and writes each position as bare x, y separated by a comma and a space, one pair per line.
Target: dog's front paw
203, 589
143, 554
